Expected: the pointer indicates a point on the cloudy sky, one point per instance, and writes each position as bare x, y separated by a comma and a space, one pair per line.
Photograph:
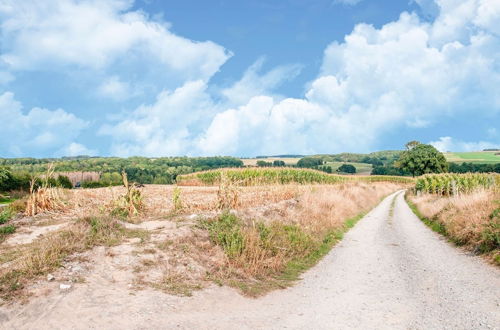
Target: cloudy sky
245, 78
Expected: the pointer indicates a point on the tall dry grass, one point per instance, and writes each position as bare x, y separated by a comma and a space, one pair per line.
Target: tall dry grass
260, 242
43, 198
469, 219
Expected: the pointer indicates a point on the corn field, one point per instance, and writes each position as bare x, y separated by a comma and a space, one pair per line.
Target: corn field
263, 176
453, 184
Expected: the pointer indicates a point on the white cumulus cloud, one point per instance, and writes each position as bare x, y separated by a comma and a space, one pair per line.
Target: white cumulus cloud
448, 143
115, 89
103, 36
407, 73
76, 149
37, 131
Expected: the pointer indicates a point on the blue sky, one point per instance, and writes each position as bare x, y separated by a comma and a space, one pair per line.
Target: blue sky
245, 78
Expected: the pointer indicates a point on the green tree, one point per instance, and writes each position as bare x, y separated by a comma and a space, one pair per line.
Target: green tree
64, 182
347, 168
262, 163
422, 159
309, 162
278, 163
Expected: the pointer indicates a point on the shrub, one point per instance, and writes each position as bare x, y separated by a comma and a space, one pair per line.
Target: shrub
93, 184
64, 182
347, 168
226, 232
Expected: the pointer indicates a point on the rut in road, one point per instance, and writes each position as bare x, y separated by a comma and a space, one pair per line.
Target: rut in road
389, 272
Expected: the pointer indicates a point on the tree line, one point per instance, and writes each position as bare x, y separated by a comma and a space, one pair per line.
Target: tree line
16, 173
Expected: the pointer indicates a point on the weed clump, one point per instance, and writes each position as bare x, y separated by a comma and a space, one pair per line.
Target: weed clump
259, 250
490, 237
5, 215
131, 202
43, 197
9, 229
226, 231
176, 199
228, 194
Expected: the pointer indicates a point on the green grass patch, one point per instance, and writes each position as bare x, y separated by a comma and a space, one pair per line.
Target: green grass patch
6, 200
480, 157
6, 230
361, 168
5, 215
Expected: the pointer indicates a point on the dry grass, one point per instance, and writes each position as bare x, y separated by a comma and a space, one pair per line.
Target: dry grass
44, 198
471, 219
261, 242
160, 200
130, 203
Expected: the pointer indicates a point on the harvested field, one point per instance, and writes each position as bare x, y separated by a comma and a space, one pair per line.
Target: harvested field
169, 245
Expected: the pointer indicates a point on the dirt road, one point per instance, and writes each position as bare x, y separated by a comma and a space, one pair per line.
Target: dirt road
389, 272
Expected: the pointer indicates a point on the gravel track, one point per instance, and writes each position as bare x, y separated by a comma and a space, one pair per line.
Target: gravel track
389, 272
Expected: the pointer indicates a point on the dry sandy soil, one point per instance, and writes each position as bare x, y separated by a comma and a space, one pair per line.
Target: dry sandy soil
389, 272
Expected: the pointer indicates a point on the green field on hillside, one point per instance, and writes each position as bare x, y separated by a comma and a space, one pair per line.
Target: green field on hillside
361, 168
483, 157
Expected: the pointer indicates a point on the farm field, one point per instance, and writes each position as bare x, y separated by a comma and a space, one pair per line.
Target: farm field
480, 157
265, 176
175, 236
361, 168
